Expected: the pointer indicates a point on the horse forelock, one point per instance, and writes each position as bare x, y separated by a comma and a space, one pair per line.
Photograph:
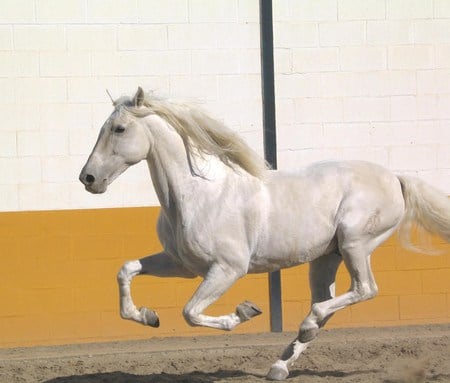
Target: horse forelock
200, 131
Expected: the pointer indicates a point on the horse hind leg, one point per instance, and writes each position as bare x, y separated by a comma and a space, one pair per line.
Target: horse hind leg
322, 276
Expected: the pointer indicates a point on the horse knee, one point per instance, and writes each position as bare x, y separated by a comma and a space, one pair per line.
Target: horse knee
128, 271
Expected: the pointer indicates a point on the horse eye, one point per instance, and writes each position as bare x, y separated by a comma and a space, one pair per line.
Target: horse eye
119, 129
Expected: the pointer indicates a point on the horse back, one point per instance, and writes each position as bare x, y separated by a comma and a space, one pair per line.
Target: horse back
309, 207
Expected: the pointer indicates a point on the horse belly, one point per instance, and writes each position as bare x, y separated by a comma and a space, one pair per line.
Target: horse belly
291, 245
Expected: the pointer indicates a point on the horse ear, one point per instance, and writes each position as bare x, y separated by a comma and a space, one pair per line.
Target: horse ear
139, 98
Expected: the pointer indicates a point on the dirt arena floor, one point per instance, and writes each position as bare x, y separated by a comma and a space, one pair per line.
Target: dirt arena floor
385, 355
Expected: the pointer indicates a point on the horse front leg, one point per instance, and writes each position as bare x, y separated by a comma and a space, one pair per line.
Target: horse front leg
217, 281
159, 265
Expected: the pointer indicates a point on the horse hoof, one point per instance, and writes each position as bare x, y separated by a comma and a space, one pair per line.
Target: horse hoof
277, 372
247, 310
150, 317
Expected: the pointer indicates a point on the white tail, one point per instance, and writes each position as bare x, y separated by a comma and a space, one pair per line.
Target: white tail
425, 206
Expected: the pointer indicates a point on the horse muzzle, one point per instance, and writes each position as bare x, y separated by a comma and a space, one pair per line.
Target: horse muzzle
92, 184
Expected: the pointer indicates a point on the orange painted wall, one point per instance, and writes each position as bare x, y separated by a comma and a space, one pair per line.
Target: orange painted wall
58, 282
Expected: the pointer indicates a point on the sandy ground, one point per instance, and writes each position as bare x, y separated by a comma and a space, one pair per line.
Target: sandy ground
386, 355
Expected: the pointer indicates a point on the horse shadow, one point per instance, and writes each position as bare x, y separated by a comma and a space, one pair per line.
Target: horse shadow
123, 377
198, 377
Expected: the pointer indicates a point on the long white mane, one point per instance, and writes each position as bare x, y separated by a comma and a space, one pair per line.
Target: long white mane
200, 131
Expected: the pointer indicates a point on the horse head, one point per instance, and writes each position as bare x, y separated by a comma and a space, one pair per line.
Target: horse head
123, 141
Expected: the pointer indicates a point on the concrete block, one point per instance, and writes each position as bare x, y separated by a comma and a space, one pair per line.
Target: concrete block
19, 64
158, 84
413, 157
17, 11
403, 108
346, 135
319, 10
428, 133
319, 110
248, 11
28, 143
43, 196
443, 155
196, 88
443, 107
54, 143
6, 37
441, 9
157, 12
357, 109
111, 11
285, 111
427, 107
247, 87
9, 200
361, 10
64, 116
91, 37
298, 85
40, 90
390, 32
65, 64
212, 11
442, 56
363, 58
39, 37
409, 9
236, 35
89, 90
281, 10
56, 169
390, 134
423, 306
106, 64
81, 141
294, 35
29, 170
215, 61
8, 92
14, 117
55, 11
8, 144
152, 63
431, 31
373, 84
299, 136
142, 37
283, 61
249, 61
315, 60
342, 33
192, 36
411, 57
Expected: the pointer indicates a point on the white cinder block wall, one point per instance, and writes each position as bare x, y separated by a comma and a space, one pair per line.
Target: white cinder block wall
354, 79
365, 80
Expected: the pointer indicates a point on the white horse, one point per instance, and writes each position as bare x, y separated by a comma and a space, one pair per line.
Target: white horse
224, 214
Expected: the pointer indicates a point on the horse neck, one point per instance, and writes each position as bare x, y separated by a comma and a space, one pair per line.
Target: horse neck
173, 177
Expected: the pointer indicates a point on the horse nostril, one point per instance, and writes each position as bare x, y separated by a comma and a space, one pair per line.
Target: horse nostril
90, 179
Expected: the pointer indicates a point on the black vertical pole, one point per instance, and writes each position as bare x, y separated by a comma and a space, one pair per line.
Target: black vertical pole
270, 138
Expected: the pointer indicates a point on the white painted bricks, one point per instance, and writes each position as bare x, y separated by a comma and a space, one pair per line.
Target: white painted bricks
354, 79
